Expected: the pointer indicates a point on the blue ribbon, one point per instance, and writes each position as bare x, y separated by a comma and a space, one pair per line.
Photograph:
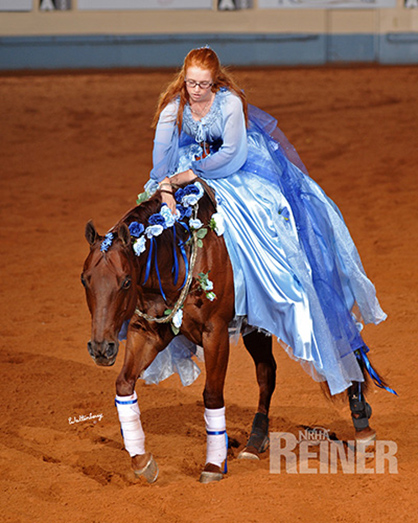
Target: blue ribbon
175, 269
361, 354
149, 259
183, 253
158, 273
219, 433
148, 267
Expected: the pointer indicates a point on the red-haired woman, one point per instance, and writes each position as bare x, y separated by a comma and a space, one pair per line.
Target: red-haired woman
297, 273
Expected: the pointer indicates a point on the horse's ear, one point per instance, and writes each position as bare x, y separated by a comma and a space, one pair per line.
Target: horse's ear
91, 233
124, 235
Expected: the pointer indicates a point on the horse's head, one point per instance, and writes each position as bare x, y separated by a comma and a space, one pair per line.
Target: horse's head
109, 278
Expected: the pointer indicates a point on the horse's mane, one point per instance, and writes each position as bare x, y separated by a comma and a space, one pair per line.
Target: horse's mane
144, 210
173, 243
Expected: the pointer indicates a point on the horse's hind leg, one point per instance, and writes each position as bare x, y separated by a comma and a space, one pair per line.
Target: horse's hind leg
260, 348
360, 413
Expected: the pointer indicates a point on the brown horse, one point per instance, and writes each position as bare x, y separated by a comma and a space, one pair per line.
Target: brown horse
121, 285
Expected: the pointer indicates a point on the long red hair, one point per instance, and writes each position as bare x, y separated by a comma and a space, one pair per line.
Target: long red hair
204, 58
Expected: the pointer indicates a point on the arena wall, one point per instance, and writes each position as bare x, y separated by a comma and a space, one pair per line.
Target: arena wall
82, 38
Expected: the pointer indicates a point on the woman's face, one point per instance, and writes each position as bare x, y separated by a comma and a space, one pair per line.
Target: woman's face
198, 84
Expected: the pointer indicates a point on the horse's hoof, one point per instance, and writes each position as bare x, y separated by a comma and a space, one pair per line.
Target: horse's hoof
149, 472
254, 447
210, 474
365, 436
249, 453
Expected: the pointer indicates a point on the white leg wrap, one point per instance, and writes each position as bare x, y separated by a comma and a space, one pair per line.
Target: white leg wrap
216, 436
129, 417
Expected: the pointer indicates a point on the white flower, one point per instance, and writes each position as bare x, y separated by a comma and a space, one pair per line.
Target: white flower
201, 190
195, 223
168, 216
139, 245
211, 296
178, 319
189, 200
207, 285
153, 230
218, 223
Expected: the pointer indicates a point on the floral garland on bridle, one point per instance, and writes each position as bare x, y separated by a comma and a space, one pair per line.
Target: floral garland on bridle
187, 207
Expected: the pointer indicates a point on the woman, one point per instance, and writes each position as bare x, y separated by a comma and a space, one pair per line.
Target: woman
297, 273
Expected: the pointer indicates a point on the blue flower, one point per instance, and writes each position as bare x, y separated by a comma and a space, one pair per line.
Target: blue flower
178, 195
156, 219
107, 242
191, 189
136, 229
185, 212
190, 194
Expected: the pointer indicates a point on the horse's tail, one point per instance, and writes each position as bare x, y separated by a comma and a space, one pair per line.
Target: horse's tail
370, 374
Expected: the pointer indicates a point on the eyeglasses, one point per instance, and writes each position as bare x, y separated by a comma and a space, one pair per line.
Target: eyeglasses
202, 85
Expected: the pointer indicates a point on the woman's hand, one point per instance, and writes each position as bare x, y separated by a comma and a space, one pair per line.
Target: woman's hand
167, 194
183, 177
167, 190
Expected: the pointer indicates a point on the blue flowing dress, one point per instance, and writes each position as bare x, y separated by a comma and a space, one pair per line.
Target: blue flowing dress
297, 273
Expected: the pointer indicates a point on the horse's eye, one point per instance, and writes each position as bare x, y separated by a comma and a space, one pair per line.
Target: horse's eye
83, 281
126, 283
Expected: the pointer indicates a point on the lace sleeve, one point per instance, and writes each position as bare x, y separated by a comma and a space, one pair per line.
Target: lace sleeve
165, 151
232, 155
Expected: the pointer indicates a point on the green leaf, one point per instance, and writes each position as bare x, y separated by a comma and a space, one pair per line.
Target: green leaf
142, 197
175, 330
201, 233
167, 312
199, 243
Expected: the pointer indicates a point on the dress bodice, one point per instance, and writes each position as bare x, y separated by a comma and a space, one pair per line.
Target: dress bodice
209, 128
225, 123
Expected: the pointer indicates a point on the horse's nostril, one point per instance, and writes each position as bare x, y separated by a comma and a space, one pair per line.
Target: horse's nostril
90, 348
110, 350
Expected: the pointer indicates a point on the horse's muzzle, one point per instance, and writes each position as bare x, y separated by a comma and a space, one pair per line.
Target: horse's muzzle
103, 353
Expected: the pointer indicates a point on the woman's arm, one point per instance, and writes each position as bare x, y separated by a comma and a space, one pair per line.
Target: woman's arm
232, 154
167, 190
165, 151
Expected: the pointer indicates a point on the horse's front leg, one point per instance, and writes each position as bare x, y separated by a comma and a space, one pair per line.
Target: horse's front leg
141, 350
216, 347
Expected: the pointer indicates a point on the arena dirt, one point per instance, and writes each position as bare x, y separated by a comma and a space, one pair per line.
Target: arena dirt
78, 146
